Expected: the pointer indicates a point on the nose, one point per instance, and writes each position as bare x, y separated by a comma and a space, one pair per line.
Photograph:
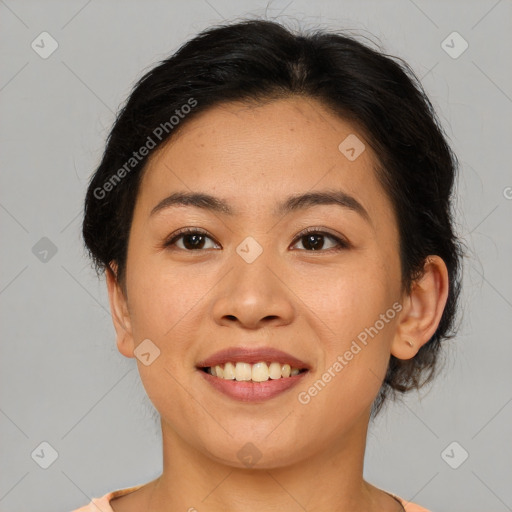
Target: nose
253, 295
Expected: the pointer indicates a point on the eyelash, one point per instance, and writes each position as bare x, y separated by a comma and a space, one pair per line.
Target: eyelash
342, 244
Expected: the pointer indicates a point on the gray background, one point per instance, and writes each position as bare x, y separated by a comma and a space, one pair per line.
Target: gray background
63, 381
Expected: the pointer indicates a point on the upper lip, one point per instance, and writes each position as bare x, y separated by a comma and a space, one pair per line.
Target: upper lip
252, 355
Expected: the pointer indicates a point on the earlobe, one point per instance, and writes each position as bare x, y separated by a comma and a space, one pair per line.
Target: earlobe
423, 309
119, 312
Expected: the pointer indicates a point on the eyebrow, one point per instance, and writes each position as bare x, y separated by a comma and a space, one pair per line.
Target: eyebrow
290, 204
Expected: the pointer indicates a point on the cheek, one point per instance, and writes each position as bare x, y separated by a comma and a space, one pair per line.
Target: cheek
166, 309
163, 300
355, 321
356, 350
347, 298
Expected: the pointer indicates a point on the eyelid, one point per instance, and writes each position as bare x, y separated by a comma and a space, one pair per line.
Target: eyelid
171, 240
343, 243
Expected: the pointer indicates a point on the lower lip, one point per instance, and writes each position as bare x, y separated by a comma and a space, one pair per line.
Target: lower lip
248, 391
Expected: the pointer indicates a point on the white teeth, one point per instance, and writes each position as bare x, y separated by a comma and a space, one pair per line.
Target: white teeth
229, 371
258, 372
243, 371
274, 370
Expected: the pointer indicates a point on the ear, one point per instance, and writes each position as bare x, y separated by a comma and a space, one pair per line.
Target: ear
422, 309
119, 312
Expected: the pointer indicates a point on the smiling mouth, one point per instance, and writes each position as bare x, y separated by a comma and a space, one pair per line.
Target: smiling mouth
258, 372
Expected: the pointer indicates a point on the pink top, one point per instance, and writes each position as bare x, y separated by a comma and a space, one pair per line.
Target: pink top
103, 504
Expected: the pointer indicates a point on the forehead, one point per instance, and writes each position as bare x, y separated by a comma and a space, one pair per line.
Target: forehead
250, 153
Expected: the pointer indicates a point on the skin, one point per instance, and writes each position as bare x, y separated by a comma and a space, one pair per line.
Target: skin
311, 304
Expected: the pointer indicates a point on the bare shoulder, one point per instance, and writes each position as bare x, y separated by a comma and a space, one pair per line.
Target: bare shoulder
132, 502
385, 500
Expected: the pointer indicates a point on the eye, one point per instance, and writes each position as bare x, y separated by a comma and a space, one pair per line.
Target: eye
314, 239
191, 238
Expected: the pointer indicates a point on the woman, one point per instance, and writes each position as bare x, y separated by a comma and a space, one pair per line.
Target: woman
272, 213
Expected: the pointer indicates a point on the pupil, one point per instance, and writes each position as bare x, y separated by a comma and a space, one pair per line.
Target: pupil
196, 240
315, 244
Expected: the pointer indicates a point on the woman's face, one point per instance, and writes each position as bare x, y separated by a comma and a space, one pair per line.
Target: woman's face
253, 279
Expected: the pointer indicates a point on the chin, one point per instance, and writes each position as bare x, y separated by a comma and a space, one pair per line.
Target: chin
253, 454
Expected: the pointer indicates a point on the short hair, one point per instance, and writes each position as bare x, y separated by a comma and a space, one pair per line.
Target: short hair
259, 61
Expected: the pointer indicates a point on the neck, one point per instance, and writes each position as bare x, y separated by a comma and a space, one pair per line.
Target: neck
331, 479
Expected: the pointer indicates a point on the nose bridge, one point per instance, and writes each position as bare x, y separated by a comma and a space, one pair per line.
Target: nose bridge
251, 293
